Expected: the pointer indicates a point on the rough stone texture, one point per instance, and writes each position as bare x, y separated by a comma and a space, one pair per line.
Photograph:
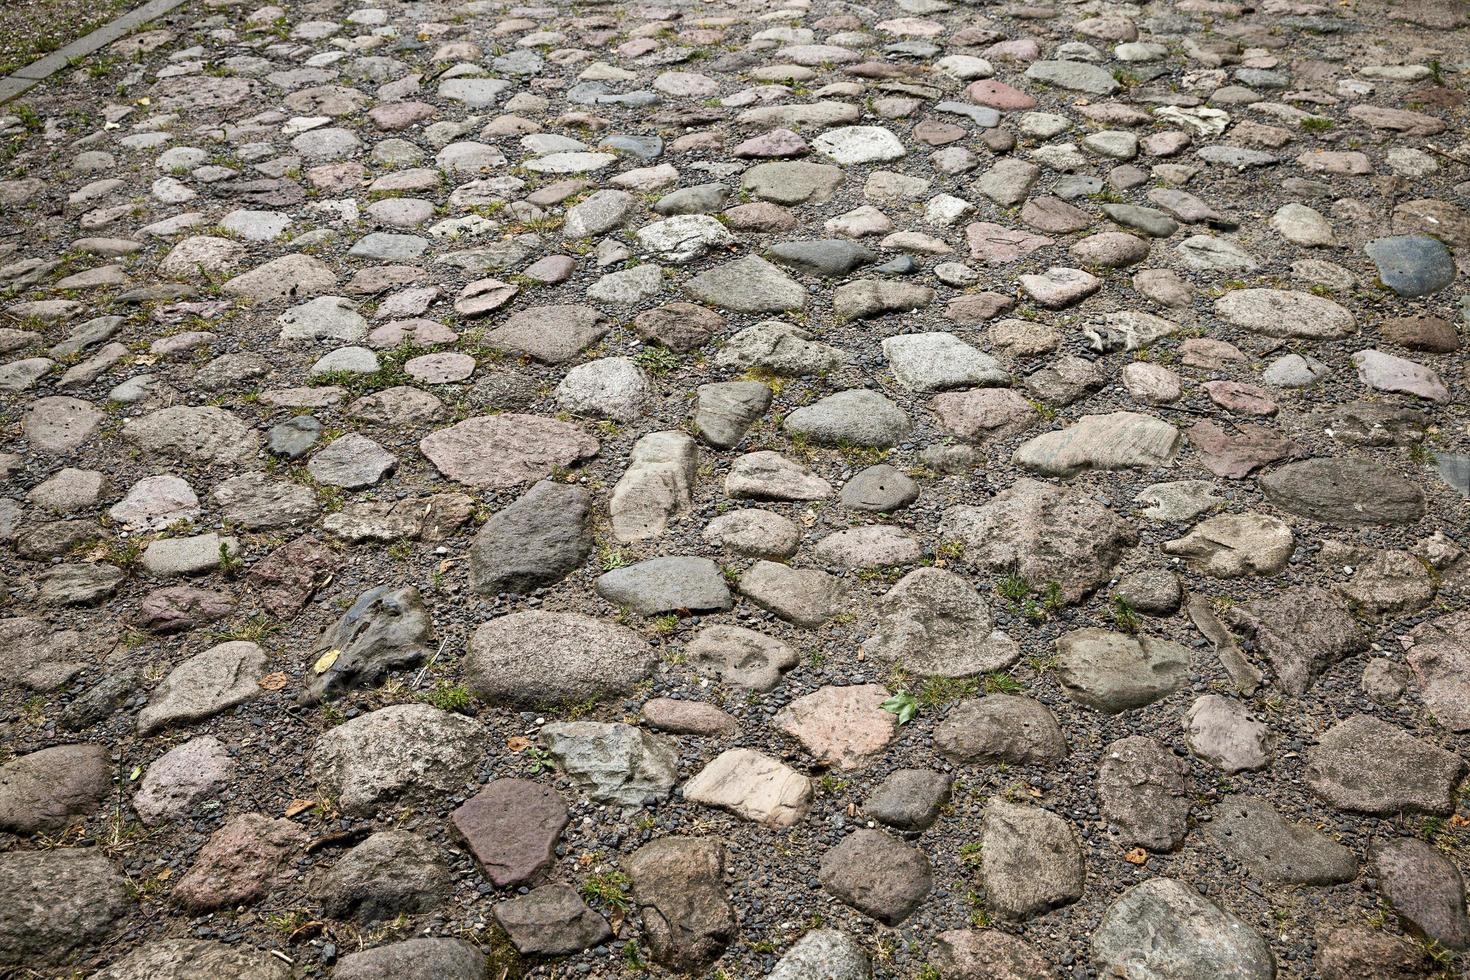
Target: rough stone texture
677, 883
536, 541
877, 875
1042, 534
754, 786
541, 657
1165, 928
55, 903
1369, 766
1145, 793
512, 826
45, 790
393, 753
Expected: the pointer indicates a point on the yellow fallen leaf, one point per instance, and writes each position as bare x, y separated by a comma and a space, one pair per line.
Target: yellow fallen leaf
326, 660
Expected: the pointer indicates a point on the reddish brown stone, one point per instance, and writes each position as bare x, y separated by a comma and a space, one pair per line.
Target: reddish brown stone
688, 717
289, 576
1426, 333
241, 862
1244, 399
999, 95
182, 607
977, 308
512, 826
1236, 454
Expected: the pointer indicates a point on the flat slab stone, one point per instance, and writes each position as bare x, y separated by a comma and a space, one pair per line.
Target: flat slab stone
1119, 440
747, 285
1284, 313
1439, 654
1031, 859
1348, 491
1277, 850
1115, 672
498, 451
535, 657
1001, 728
1164, 928
512, 826
661, 585
1367, 765
753, 786
841, 726
551, 334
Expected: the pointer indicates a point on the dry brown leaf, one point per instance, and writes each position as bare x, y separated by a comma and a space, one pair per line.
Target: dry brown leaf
1136, 856
518, 743
299, 806
273, 681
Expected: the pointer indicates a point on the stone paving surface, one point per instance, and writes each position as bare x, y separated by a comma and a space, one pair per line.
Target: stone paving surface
739, 489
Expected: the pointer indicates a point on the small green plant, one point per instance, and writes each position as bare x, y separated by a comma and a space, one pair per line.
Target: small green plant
607, 887
657, 360
1124, 615
665, 624
612, 559
830, 785
229, 564
970, 854
1316, 124
939, 691
999, 682
1013, 587
904, 705
633, 957
539, 761
927, 972
448, 697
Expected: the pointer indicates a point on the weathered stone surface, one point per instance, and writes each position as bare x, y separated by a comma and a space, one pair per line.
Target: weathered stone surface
494, 452
1370, 766
1426, 890
1031, 859
662, 585
909, 799
206, 435
394, 753
536, 657
804, 596
1223, 733
443, 959
657, 487
184, 778
539, 539
1165, 928
981, 954
56, 903
1275, 849
45, 790
1232, 545
1302, 632
678, 886
1117, 441
1001, 728
753, 786
204, 685
613, 763
1115, 672
388, 874
240, 863
1043, 534
877, 875
741, 656
1439, 654
824, 953
842, 727
551, 921
183, 959
1145, 794
512, 826
933, 623
384, 630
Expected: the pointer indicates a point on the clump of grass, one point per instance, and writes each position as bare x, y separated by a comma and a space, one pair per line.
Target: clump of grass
1125, 617
656, 360
449, 697
1317, 124
608, 887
